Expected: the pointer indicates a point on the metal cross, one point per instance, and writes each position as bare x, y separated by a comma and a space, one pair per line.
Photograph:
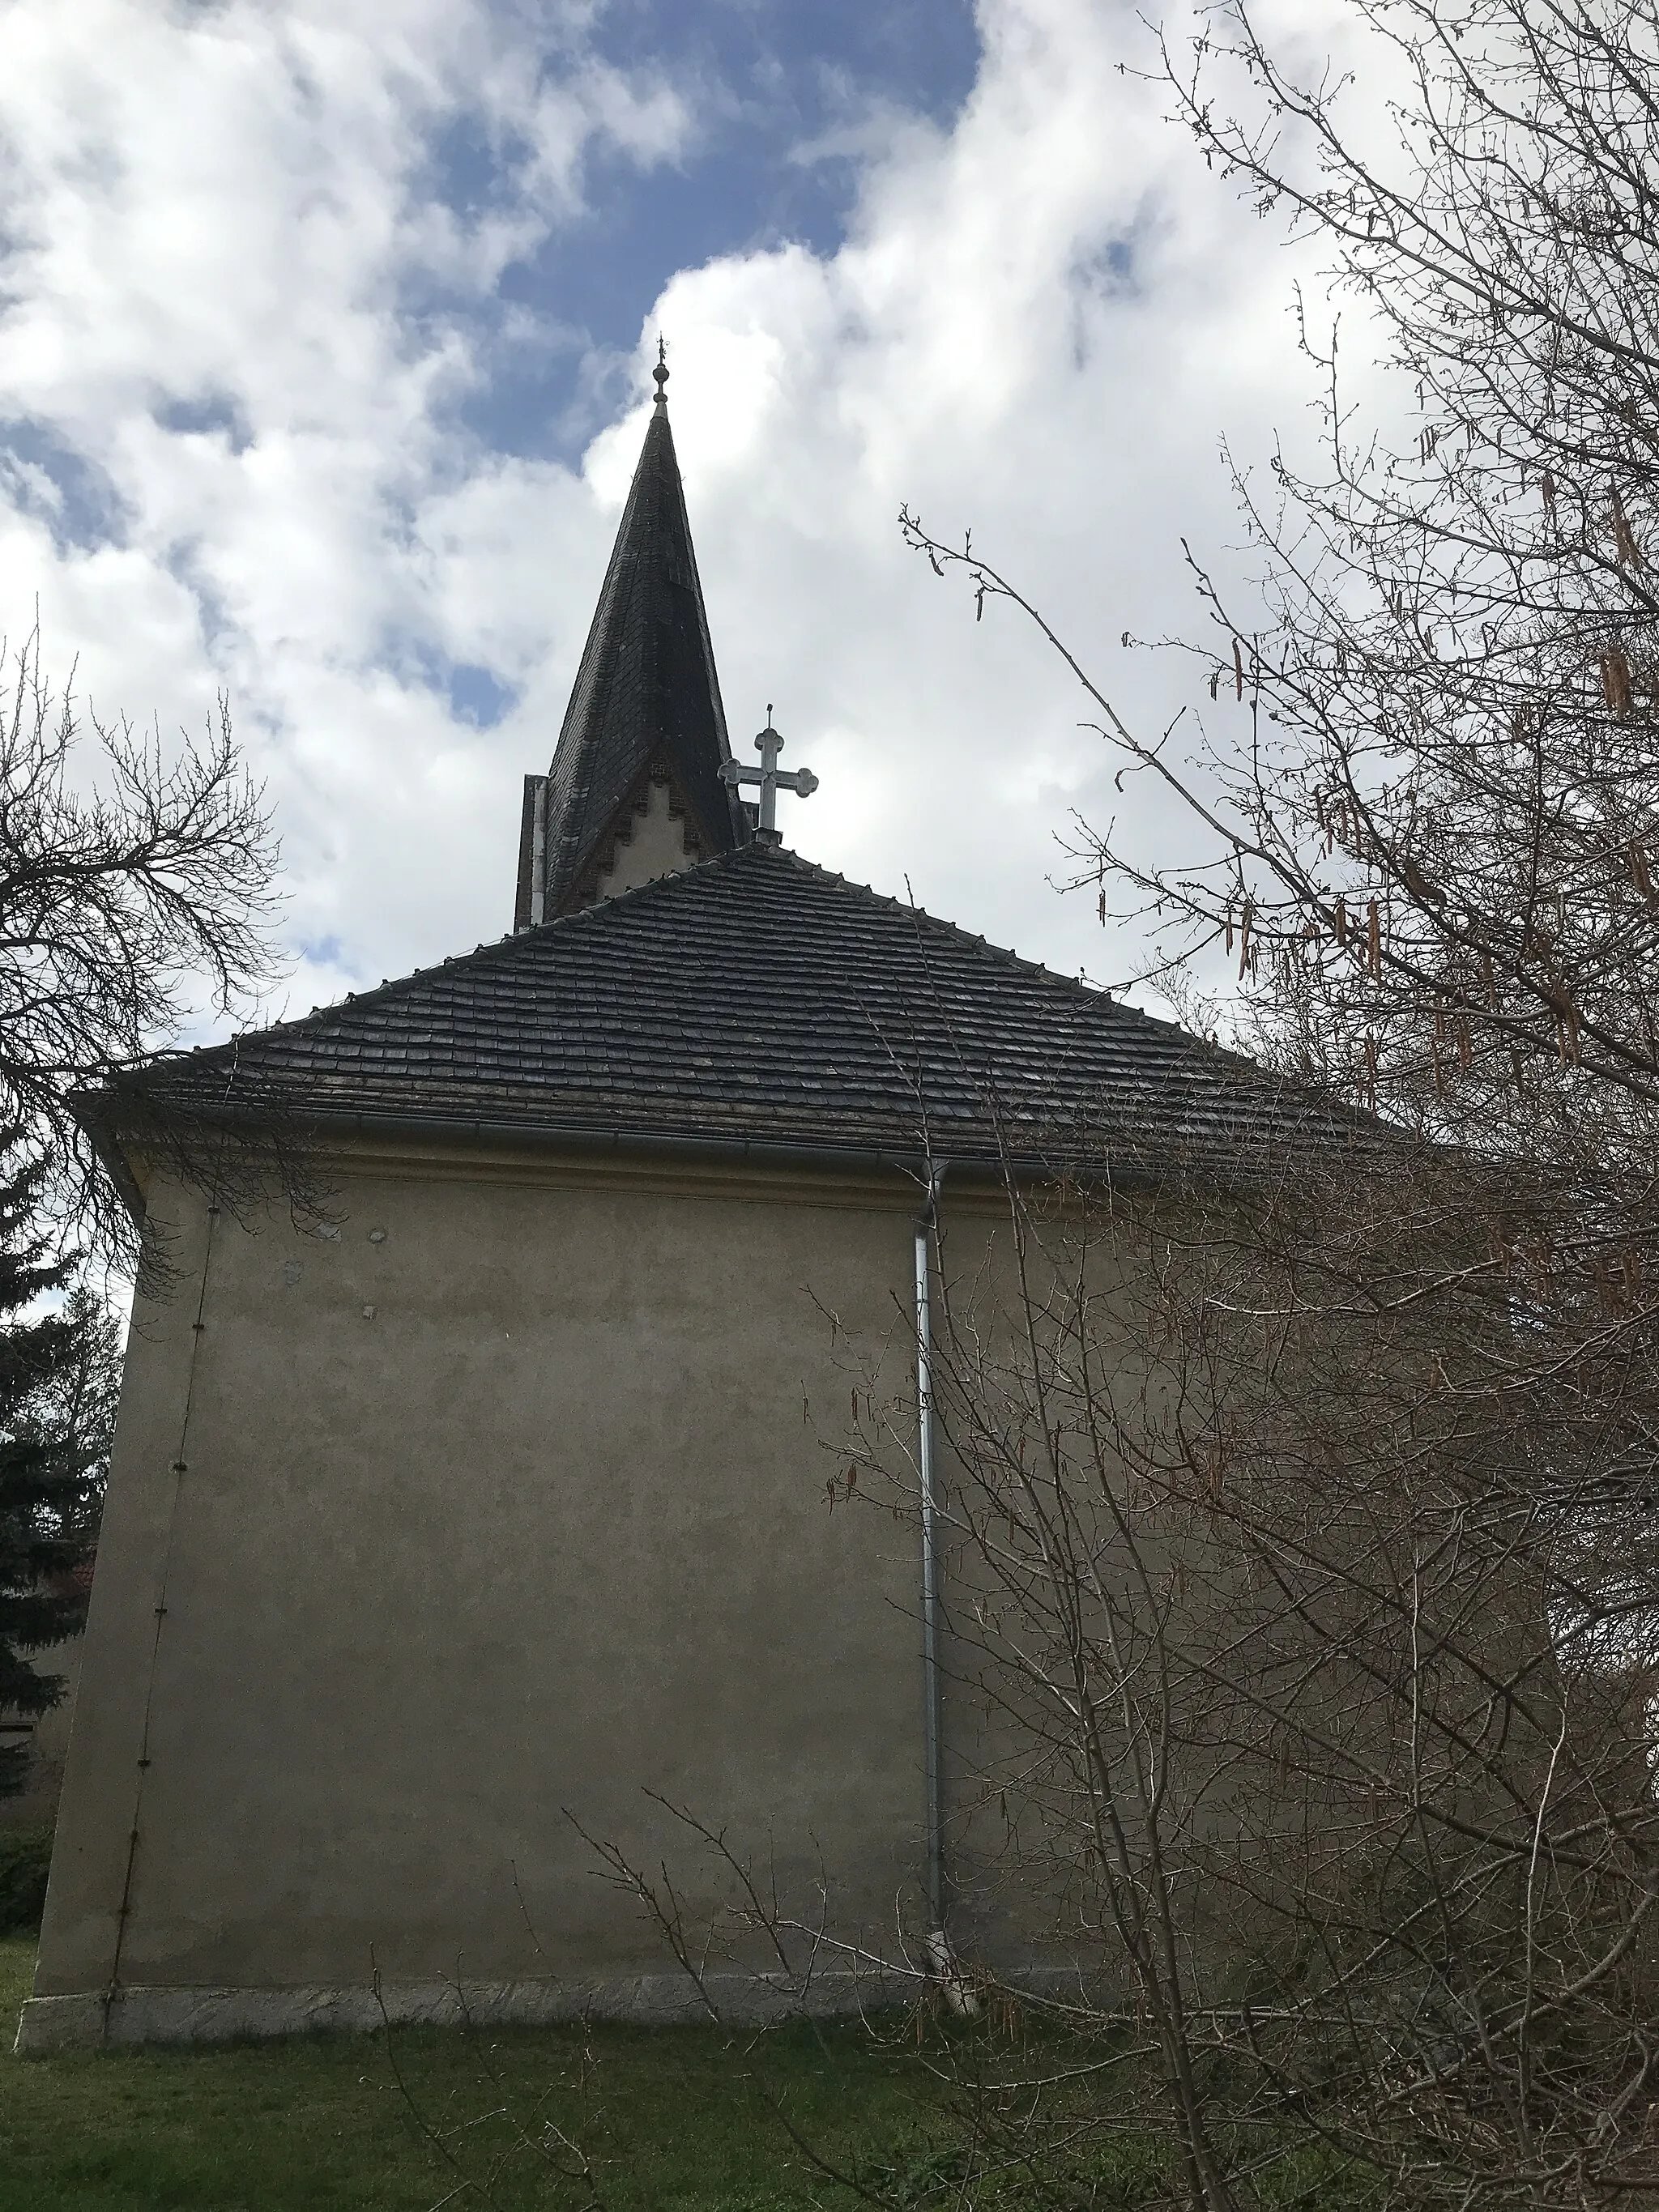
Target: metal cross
770, 776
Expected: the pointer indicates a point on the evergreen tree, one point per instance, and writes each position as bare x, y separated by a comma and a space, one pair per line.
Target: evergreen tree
60, 1374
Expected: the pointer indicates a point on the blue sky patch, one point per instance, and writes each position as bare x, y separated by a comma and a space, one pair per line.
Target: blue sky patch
211, 414
787, 97
476, 696
44, 476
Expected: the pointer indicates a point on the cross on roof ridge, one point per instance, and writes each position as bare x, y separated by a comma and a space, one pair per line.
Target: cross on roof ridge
770, 778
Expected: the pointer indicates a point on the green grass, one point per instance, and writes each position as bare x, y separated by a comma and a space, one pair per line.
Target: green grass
679, 2120
671, 2119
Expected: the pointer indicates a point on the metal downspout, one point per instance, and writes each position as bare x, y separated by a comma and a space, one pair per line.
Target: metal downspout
941, 1957
932, 1710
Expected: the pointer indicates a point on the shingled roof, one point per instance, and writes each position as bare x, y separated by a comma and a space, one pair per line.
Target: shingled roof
646, 702
755, 1000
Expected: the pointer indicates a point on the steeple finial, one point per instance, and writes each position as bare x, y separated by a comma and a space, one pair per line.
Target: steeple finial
644, 734
660, 375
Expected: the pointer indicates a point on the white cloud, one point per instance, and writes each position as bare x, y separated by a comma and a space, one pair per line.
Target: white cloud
215, 218
1039, 329
226, 240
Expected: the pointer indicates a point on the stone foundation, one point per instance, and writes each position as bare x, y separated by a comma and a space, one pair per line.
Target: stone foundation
208, 2015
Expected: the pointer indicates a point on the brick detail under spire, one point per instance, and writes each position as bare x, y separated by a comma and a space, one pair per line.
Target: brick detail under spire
645, 710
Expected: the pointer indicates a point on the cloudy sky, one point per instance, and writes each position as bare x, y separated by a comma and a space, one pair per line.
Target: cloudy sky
323, 334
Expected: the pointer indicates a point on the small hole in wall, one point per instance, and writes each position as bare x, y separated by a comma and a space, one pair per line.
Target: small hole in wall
377, 1237
368, 1313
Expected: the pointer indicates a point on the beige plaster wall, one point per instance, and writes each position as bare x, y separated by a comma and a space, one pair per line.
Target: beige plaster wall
502, 1503
654, 845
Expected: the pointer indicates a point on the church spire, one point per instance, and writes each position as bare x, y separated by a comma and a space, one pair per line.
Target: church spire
636, 789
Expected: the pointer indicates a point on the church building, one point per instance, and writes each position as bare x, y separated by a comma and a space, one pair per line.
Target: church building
476, 1524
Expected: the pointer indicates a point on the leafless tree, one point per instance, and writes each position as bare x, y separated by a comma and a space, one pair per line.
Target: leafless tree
1425, 804
136, 893
1302, 1826
1308, 1715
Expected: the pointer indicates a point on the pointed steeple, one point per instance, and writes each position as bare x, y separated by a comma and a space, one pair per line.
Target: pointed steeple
634, 790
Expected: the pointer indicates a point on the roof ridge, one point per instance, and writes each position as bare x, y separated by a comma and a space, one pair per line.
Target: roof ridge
633, 895
1093, 993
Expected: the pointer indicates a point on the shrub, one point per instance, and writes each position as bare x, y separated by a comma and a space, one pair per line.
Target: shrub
25, 1857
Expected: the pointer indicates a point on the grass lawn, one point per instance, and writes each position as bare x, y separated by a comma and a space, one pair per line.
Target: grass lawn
672, 2119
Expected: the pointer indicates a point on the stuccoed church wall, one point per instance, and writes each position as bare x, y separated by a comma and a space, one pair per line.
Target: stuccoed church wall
492, 1511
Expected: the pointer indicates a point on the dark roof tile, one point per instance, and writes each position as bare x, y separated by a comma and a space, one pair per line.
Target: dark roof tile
757, 998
